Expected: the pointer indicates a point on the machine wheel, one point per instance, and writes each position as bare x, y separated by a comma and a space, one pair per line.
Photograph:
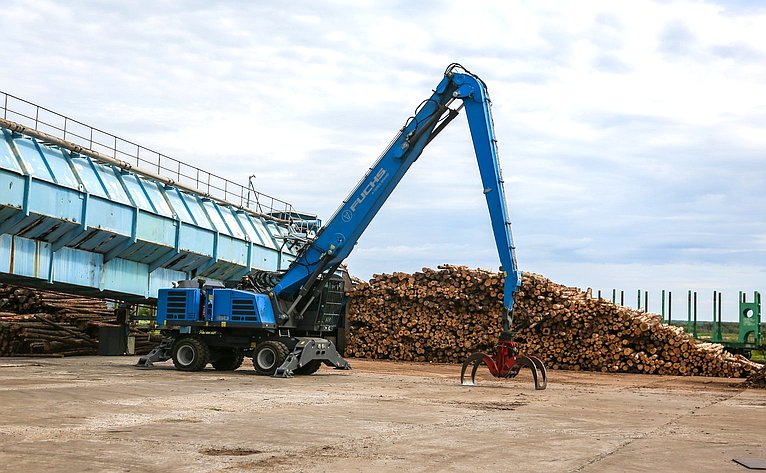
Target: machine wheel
190, 354
309, 368
228, 362
268, 356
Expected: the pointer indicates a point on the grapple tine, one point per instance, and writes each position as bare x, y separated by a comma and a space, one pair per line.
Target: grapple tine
543, 379
539, 375
476, 359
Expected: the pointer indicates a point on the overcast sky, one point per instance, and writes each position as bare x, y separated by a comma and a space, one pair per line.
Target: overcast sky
632, 134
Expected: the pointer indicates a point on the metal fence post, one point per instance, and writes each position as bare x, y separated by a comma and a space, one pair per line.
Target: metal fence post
720, 328
694, 330
689, 311
670, 308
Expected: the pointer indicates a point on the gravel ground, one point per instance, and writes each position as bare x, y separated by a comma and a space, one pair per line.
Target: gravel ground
102, 414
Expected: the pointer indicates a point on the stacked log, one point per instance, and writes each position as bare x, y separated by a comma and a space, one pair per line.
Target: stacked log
445, 315
145, 342
38, 334
757, 379
34, 322
18, 299
21, 300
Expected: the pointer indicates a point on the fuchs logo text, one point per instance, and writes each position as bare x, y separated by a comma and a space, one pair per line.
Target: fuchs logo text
370, 188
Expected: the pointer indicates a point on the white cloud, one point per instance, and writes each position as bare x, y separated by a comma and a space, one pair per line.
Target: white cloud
630, 133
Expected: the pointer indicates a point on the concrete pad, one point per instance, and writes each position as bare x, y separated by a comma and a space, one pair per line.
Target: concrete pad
102, 414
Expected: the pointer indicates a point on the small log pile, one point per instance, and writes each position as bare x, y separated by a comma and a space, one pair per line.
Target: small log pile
38, 334
445, 315
44, 323
21, 300
757, 379
145, 342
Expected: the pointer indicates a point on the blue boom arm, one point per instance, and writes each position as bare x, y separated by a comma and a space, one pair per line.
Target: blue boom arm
335, 240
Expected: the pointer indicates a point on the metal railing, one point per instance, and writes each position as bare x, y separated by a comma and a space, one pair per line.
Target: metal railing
30, 115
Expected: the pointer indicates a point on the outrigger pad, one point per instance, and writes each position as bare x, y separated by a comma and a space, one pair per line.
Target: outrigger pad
308, 349
161, 352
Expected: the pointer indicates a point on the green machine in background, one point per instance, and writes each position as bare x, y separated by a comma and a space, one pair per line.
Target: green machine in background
749, 320
749, 336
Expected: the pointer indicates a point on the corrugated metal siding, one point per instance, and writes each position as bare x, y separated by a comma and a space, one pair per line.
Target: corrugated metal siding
73, 224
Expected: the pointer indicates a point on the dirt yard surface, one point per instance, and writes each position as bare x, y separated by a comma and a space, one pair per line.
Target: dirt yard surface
102, 414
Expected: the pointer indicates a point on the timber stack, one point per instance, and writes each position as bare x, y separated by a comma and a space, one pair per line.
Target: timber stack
23, 300
39, 334
45, 323
445, 315
757, 379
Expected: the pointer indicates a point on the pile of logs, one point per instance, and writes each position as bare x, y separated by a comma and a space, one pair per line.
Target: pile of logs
43, 323
445, 315
757, 379
38, 334
21, 300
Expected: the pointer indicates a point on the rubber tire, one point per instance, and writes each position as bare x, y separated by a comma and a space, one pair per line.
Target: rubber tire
228, 362
200, 354
309, 368
279, 351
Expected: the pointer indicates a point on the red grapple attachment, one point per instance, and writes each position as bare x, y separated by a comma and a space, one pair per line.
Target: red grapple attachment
505, 363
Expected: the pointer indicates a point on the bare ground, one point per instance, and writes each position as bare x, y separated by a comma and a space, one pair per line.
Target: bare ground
102, 414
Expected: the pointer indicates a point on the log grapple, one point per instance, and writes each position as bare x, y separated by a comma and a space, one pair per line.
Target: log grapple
505, 362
